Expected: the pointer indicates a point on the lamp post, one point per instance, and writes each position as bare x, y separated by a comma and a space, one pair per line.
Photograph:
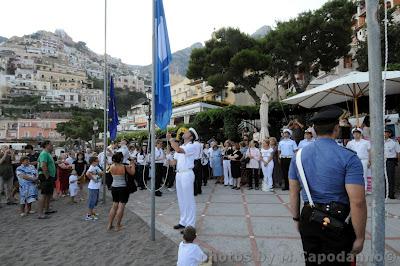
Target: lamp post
95, 129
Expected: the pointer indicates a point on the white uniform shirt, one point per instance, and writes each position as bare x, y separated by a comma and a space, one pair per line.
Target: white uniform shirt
255, 161
132, 154
305, 142
125, 152
185, 161
141, 159
361, 147
287, 147
101, 159
199, 147
160, 155
392, 148
190, 254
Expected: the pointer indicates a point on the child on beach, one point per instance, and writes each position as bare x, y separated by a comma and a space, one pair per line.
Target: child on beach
73, 186
94, 174
190, 254
27, 179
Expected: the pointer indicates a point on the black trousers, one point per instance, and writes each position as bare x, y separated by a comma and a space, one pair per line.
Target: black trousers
197, 176
253, 174
324, 246
139, 176
391, 175
170, 177
285, 164
205, 172
159, 174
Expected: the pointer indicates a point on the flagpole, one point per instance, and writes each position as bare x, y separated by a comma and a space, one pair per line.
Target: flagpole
152, 128
105, 102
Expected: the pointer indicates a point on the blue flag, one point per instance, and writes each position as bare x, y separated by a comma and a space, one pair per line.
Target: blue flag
163, 102
112, 112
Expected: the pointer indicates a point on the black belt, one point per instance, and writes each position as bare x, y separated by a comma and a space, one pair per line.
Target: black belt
392, 159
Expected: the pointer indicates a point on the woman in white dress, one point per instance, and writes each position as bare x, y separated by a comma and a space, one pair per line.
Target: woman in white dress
267, 165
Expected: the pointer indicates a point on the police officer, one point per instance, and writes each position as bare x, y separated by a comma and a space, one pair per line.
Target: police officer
392, 157
336, 189
184, 157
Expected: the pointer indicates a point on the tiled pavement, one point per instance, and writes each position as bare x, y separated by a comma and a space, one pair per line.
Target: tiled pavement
250, 227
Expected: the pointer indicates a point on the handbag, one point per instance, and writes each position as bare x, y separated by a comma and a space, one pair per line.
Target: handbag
246, 159
317, 215
130, 182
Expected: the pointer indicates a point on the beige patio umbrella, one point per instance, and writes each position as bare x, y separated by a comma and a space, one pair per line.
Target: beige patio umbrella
264, 133
351, 87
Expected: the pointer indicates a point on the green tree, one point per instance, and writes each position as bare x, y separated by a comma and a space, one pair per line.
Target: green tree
393, 44
125, 99
311, 43
81, 125
229, 56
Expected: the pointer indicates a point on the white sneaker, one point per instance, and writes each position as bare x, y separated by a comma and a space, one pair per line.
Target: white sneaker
271, 190
171, 189
89, 217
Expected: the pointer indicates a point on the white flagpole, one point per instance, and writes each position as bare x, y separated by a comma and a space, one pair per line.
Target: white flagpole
105, 102
152, 128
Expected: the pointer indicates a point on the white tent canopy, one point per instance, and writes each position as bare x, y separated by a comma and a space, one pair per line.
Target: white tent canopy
349, 87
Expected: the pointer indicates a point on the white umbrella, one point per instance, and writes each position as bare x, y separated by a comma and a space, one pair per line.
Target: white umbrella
349, 87
264, 133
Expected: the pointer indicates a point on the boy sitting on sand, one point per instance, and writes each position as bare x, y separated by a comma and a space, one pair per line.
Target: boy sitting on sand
73, 186
94, 174
190, 254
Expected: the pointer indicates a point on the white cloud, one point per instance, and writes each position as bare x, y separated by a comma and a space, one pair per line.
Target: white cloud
129, 21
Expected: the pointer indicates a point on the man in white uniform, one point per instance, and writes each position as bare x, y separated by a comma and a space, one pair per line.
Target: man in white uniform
124, 150
392, 158
362, 147
185, 156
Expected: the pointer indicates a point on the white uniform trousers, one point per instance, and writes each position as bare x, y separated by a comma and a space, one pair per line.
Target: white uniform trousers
267, 172
365, 168
187, 204
228, 179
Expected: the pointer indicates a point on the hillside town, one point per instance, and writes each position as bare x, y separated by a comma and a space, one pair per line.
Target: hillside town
275, 146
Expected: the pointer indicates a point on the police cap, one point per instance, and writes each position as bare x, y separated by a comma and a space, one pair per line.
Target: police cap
327, 115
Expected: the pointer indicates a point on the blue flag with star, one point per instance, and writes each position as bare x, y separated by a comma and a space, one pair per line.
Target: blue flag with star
163, 101
113, 121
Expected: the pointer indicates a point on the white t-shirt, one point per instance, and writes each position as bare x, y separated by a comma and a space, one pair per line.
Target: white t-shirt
73, 185
185, 160
190, 254
96, 182
361, 147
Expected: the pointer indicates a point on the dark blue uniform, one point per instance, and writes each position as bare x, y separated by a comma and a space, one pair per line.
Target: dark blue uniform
328, 167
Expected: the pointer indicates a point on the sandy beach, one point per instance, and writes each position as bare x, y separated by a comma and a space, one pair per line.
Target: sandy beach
67, 239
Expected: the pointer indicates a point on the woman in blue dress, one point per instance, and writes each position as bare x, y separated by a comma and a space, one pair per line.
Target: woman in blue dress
27, 179
216, 162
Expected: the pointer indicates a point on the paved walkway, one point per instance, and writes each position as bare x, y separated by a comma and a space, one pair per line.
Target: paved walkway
250, 227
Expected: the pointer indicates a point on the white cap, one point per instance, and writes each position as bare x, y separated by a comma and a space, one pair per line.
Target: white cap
357, 129
196, 136
308, 130
288, 131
